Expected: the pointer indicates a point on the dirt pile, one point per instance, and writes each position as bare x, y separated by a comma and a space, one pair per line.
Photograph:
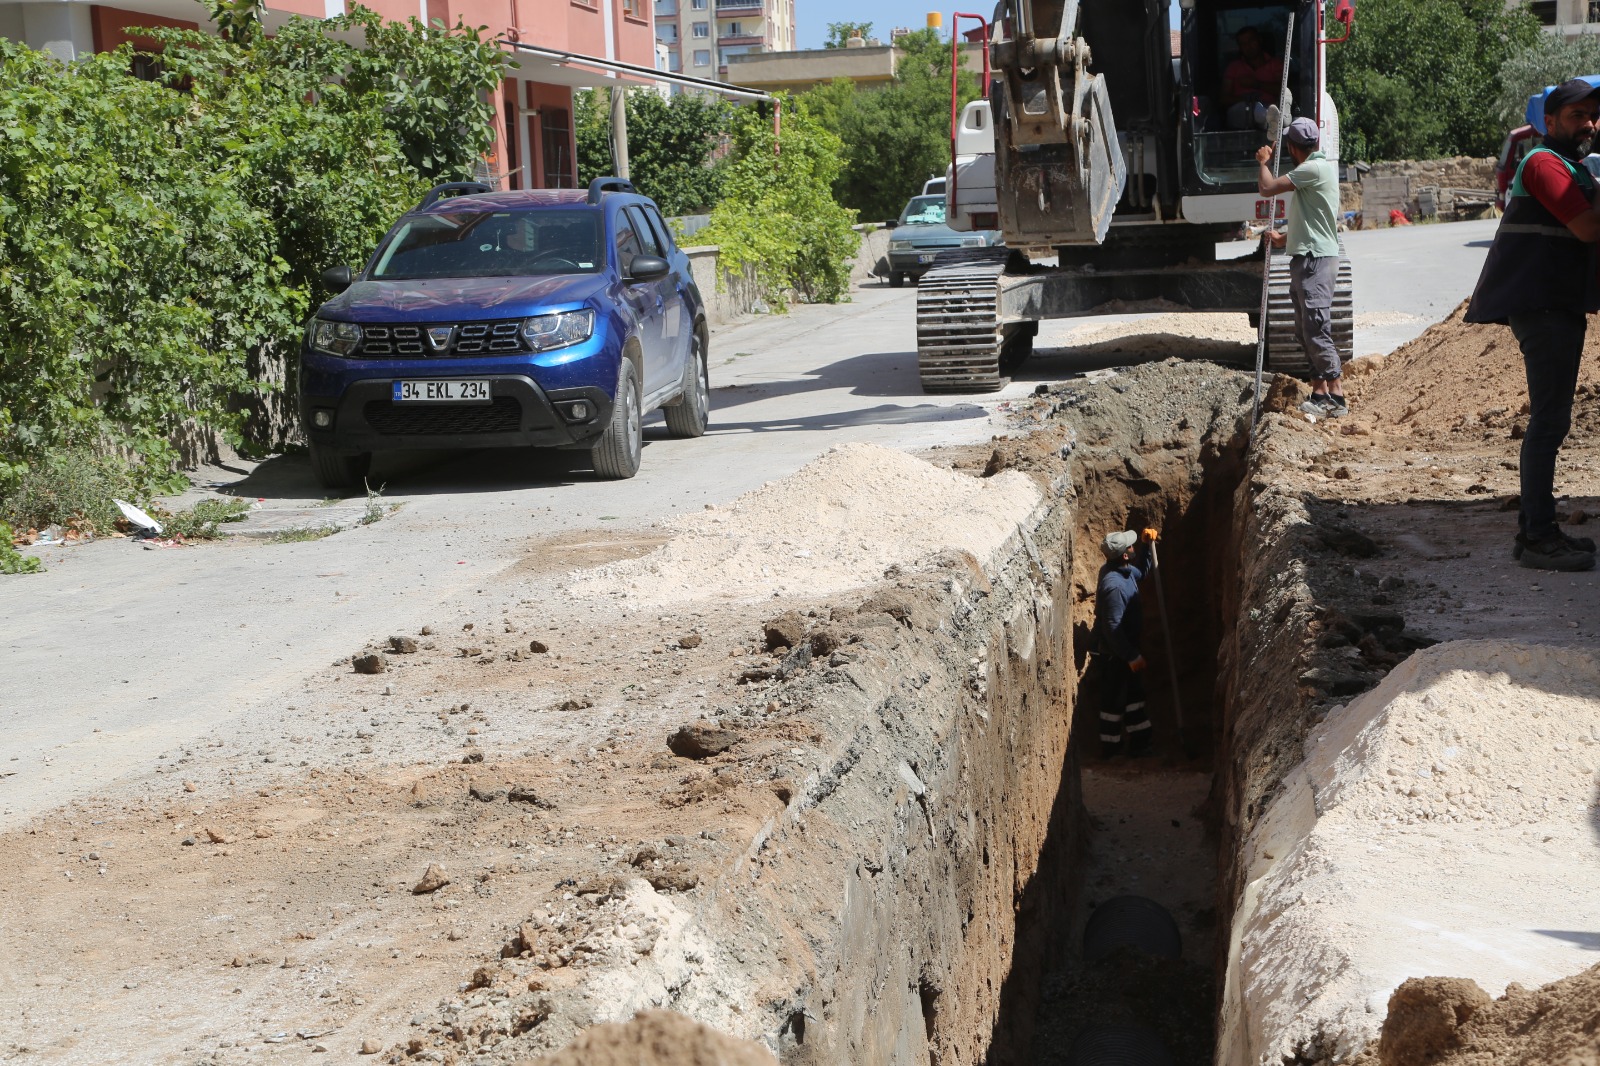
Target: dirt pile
1459, 379
837, 523
656, 1038
1437, 1021
1441, 823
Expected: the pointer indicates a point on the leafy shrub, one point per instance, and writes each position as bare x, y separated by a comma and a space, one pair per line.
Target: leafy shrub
13, 561
200, 522
155, 236
778, 219
73, 488
670, 146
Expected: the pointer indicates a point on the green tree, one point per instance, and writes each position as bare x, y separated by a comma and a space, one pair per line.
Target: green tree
897, 137
670, 145
778, 223
1549, 59
1421, 78
840, 32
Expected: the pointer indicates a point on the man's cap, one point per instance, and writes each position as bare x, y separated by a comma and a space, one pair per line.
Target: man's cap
1117, 543
1304, 133
1568, 92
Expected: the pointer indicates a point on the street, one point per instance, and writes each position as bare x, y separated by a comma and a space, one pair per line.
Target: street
120, 656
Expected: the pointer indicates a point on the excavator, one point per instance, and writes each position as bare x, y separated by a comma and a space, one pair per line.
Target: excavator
1115, 154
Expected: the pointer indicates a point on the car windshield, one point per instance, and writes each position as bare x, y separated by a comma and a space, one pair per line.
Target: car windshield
923, 211
493, 244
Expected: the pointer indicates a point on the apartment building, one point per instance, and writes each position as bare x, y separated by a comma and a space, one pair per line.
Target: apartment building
1567, 16
557, 46
700, 35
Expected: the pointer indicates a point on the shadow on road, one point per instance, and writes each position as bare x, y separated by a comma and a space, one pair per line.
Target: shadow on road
881, 374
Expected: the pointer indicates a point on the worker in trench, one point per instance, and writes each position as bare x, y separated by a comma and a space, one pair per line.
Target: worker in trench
1119, 626
1540, 279
1312, 241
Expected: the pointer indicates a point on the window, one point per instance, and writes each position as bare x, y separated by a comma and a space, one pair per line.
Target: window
674, 63
702, 57
643, 230
492, 244
1544, 11
1594, 11
666, 7
702, 29
734, 30
737, 50
663, 234
555, 139
666, 31
697, 5
627, 242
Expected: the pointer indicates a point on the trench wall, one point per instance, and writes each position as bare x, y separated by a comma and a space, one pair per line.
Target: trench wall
948, 816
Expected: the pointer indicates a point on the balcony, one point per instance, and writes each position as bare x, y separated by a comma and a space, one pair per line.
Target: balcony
740, 6
739, 38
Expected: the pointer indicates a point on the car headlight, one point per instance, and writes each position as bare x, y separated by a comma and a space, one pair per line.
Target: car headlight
544, 332
899, 246
334, 338
972, 242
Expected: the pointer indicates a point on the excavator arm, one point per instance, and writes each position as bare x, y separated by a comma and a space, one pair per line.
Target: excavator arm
1060, 168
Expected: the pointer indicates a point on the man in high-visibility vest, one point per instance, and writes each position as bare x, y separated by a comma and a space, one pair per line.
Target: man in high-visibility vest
1539, 278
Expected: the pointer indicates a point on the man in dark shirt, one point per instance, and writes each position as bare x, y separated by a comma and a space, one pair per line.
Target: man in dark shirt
1118, 625
1540, 279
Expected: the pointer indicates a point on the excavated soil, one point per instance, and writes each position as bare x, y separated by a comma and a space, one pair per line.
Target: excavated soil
890, 858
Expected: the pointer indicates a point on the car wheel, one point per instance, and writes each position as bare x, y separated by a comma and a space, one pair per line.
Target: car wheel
896, 280
616, 455
689, 417
339, 470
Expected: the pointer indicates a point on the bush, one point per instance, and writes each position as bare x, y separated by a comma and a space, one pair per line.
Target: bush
778, 220
153, 237
73, 488
13, 561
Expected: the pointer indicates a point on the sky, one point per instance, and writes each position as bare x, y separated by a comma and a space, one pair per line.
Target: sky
814, 15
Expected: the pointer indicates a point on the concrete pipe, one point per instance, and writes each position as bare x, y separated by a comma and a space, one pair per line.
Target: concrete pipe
1118, 1045
1131, 921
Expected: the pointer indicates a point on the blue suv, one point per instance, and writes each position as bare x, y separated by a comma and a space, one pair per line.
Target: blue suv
552, 318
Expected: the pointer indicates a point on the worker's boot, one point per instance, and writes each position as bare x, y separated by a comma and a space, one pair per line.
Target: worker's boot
1110, 747
1582, 544
1554, 552
1140, 742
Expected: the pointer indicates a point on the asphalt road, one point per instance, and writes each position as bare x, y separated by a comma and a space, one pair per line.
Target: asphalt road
119, 655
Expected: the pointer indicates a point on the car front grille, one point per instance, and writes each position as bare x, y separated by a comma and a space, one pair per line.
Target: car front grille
504, 415
465, 338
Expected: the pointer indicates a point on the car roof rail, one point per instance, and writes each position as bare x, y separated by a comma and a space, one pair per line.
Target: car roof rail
452, 188
600, 186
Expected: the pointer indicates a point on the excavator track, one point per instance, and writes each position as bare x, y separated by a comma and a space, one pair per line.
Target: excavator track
1284, 354
960, 340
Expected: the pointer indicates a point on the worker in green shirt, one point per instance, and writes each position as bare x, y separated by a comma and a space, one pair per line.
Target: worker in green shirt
1312, 241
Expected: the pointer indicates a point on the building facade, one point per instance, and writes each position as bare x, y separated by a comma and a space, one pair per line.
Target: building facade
701, 35
1567, 16
535, 145
869, 66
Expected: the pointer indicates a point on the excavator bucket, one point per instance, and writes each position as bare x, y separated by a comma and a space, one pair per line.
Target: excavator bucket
1056, 145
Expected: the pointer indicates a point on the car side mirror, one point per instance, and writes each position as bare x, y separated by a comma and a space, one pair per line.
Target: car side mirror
648, 268
337, 278
891, 224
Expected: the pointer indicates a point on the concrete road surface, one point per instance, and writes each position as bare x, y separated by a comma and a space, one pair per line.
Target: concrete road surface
119, 654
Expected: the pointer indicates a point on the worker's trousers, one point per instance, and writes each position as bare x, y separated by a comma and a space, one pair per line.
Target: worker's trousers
1552, 349
1122, 708
1311, 279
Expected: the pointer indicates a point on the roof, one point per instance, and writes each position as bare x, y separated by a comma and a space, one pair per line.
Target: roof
513, 198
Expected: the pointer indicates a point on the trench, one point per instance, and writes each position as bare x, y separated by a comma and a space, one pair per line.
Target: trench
1149, 826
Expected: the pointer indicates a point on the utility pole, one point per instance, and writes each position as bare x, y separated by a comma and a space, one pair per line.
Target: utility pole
619, 129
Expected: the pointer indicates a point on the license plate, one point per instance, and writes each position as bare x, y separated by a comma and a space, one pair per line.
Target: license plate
452, 390
926, 258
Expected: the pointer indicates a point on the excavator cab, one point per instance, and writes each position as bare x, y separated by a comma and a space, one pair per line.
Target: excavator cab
1230, 72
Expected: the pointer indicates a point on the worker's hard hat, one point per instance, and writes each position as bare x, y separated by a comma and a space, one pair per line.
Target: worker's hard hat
1117, 543
1304, 133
